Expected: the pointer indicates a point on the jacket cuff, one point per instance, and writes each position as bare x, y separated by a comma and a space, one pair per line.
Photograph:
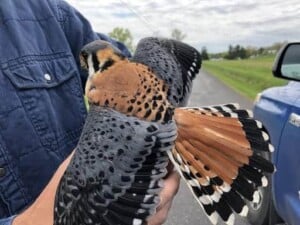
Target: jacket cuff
7, 221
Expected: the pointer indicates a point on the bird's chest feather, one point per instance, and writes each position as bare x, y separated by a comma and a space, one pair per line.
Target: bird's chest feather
134, 90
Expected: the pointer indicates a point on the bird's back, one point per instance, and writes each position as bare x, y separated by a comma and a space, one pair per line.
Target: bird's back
172, 61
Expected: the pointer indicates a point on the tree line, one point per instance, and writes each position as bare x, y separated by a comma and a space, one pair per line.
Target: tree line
124, 35
234, 51
242, 52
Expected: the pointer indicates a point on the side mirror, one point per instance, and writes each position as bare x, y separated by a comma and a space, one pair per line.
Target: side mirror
287, 62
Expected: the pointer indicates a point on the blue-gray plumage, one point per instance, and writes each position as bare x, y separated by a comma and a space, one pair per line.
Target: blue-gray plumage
115, 174
172, 61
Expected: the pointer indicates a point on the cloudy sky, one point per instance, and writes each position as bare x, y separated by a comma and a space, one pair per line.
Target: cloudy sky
211, 23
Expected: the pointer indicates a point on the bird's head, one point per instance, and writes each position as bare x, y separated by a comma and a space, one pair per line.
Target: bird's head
97, 57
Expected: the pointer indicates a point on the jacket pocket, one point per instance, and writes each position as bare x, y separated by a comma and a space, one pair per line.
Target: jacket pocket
47, 74
51, 94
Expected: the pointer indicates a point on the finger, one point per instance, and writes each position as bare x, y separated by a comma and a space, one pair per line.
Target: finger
170, 168
160, 216
171, 186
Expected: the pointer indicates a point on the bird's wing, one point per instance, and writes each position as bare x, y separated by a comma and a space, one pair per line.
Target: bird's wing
114, 176
174, 62
217, 153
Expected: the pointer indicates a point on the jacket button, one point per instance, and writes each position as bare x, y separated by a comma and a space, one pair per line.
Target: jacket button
47, 76
2, 172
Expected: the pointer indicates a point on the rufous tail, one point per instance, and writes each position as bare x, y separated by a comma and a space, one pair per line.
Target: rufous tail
217, 154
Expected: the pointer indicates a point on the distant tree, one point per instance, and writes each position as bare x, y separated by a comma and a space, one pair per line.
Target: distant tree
178, 35
243, 53
204, 53
277, 46
230, 49
219, 55
236, 52
260, 51
123, 35
251, 51
230, 54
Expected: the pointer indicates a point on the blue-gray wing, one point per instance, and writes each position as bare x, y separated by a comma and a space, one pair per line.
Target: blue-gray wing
115, 175
173, 61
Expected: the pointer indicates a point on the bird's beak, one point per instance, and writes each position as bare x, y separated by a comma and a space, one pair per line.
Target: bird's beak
88, 86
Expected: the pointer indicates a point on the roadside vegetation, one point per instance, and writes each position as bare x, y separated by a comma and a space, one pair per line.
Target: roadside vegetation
248, 70
247, 76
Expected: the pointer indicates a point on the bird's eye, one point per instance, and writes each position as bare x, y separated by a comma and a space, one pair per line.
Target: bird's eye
84, 54
107, 64
83, 59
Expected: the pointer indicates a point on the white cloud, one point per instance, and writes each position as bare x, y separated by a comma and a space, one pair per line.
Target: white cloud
215, 24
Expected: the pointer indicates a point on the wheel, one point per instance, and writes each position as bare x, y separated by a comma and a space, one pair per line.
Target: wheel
274, 218
263, 212
259, 212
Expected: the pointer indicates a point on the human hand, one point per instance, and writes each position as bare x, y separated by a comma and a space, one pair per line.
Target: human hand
167, 194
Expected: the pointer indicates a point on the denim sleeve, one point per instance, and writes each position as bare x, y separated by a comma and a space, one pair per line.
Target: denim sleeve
79, 32
7, 221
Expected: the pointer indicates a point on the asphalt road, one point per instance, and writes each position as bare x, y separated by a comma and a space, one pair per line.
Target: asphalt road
207, 90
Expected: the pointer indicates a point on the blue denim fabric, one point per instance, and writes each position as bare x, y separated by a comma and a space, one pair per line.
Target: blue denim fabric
7, 221
41, 87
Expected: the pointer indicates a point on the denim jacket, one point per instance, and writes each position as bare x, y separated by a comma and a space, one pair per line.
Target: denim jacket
41, 87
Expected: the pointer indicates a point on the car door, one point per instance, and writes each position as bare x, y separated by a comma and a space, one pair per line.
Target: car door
287, 177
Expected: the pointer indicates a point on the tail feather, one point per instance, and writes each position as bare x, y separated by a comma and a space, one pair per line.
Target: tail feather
261, 163
197, 157
216, 153
221, 144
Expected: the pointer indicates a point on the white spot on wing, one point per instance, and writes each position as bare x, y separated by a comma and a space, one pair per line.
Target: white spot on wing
250, 113
137, 221
216, 196
255, 197
213, 218
230, 220
271, 148
264, 181
259, 124
179, 158
265, 136
225, 187
244, 211
204, 199
147, 197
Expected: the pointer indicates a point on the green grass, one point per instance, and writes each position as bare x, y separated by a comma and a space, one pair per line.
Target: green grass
86, 101
248, 76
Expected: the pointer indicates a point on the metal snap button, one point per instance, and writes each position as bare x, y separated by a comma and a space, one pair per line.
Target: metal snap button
2, 172
47, 76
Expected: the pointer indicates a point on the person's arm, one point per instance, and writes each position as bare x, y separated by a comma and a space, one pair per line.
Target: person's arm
41, 211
